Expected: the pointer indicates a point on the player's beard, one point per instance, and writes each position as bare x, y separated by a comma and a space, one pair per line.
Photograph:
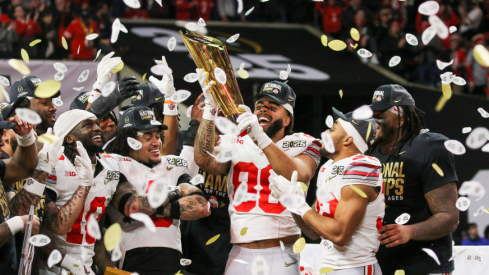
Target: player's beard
324, 153
274, 127
90, 146
387, 134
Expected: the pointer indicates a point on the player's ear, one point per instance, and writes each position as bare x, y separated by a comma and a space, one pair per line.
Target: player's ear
287, 121
69, 139
348, 140
401, 121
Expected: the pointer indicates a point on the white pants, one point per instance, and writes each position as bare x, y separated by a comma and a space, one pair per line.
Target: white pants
373, 269
279, 262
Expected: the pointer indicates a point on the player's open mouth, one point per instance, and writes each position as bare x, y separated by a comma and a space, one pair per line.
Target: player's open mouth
155, 152
264, 120
97, 138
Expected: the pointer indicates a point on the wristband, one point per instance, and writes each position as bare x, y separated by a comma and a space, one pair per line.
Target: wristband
174, 195
16, 224
170, 108
27, 139
175, 210
209, 114
302, 209
93, 96
34, 187
263, 141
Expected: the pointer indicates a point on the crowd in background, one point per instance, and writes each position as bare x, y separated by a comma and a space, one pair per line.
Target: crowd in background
382, 24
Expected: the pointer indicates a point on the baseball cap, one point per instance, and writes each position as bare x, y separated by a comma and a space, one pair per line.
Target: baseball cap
141, 118
148, 94
80, 101
279, 92
8, 109
388, 96
25, 87
362, 131
3, 123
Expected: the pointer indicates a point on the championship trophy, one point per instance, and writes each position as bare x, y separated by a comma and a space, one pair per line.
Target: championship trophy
210, 54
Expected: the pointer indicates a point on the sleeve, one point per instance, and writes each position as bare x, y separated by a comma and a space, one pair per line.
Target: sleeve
2, 169
188, 154
51, 183
437, 153
69, 31
50, 196
184, 178
363, 170
312, 150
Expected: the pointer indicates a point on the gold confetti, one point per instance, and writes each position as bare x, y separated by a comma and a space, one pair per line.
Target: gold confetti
47, 89
399, 272
355, 34
299, 245
337, 45
19, 66
213, 239
179, 273
441, 103
35, 42
341, 93
360, 192
113, 236
47, 138
304, 186
447, 90
243, 74
324, 40
118, 68
243, 231
144, 76
368, 131
63, 41
354, 46
438, 169
481, 55
325, 270
25, 55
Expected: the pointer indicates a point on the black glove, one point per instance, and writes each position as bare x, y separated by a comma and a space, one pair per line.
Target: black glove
128, 86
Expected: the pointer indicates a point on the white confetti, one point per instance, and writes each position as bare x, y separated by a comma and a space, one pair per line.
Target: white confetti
327, 244
233, 38
171, 44
291, 201
134, 143
282, 246
240, 194
441, 28
198, 179
459, 81
220, 75
455, 147
161, 5
462, 203
161, 70
466, 130
28, 116
249, 11
134, 4
411, 39
259, 266
477, 138
148, 223
98, 54
327, 142
429, 8
364, 53
157, 193
224, 156
241, 67
54, 258
189, 111
83, 76
452, 29
428, 34
108, 88
240, 261
91, 36
485, 148
39, 240
78, 88
431, 254
329, 121
116, 28
403, 218
289, 69
58, 76
4, 81
60, 67
442, 65
483, 113
116, 253
225, 126
180, 96
447, 77
191, 26
480, 211
394, 61
93, 228
78, 51
283, 75
190, 77
456, 254
362, 113
201, 22
472, 188
240, 6
57, 101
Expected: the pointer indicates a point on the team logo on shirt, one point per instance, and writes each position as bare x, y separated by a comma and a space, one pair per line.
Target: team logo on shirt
294, 143
338, 170
213, 202
177, 162
70, 174
112, 175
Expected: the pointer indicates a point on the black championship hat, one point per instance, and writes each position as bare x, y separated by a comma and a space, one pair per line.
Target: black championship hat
148, 94
362, 131
25, 87
80, 102
279, 92
141, 118
9, 109
388, 96
5, 124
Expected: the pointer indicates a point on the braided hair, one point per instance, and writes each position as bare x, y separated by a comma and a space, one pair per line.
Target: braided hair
70, 151
119, 144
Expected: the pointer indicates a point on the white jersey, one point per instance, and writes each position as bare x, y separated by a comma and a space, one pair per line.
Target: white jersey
357, 169
135, 234
265, 218
64, 182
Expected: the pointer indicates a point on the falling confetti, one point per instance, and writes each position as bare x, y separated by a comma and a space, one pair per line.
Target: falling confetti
47, 138
113, 236
438, 169
354, 46
359, 191
191, 26
118, 68
411, 39
225, 126
462, 203
91, 36
213, 239
429, 8
58, 76
364, 53
83, 76
116, 28
341, 93
243, 74
355, 34
394, 61
324, 40
243, 231
201, 22
403, 218
481, 55
368, 131
441, 103
116, 253
98, 54
337, 45
134, 4
190, 77
328, 142
466, 130
54, 258
145, 219
240, 261
452, 29
233, 38
431, 254
428, 34
25, 55
329, 121
477, 138
455, 147
180, 96
248, 12
35, 42
185, 262
4, 81
220, 75
157, 193
304, 187
28, 116
19, 66
399, 272
283, 75
483, 112
442, 65
93, 228
60, 67
299, 245
64, 43
459, 81
324, 270
172, 43
362, 113
47, 89
440, 27
144, 76
198, 179
39, 240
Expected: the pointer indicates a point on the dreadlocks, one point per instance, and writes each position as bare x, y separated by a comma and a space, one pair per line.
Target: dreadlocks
119, 144
70, 151
413, 124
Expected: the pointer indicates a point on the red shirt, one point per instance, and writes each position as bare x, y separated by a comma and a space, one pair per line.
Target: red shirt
29, 29
331, 17
136, 14
204, 9
183, 9
77, 31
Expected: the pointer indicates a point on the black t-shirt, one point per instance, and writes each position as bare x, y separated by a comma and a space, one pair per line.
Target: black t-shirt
407, 179
209, 259
7, 251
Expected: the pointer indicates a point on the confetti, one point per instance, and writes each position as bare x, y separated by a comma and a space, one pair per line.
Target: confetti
240, 194
134, 144
337, 45
324, 40
35, 42
28, 116
224, 156
54, 258
198, 179
98, 54
180, 96
303, 186
248, 12
201, 22
364, 53
431, 254
481, 55
341, 93
472, 188
190, 77
25, 55
243, 231
359, 191
112, 236
240, 6
64, 43
399, 272
233, 38
466, 130
429, 8
47, 89
324, 270
462, 203
4, 81
243, 74
116, 28
438, 169
134, 4
394, 61
148, 223
354, 46
108, 88
441, 103
455, 147
362, 113
93, 228
480, 211
355, 34
78, 88
327, 244
447, 78
452, 29
118, 68
225, 126
442, 65
191, 26
172, 43
329, 121
483, 113
283, 75
368, 131
144, 76
39, 240
161, 5
213, 239
477, 138
161, 70
220, 75
441, 28
403, 218
456, 254
291, 201
157, 193
459, 81
485, 148
328, 143
185, 262
428, 34
47, 138
91, 36
299, 245
60, 67
289, 69
83, 76
116, 253
57, 101
411, 39
282, 246
240, 261
259, 266
19, 66
58, 76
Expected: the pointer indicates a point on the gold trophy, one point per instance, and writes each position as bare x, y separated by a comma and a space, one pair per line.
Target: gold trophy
210, 53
